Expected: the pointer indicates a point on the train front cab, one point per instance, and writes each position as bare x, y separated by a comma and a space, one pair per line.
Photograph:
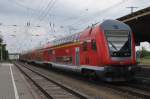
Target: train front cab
117, 50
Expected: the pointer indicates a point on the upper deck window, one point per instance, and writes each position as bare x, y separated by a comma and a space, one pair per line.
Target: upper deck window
85, 46
93, 45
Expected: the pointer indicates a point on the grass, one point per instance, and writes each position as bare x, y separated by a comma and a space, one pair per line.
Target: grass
145, 61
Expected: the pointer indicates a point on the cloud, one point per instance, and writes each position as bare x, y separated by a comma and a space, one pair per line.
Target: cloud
52, 18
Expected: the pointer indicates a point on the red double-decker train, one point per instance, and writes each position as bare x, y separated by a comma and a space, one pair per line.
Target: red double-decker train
106, 50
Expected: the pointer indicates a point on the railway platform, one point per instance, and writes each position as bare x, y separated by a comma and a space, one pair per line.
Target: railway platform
13, 85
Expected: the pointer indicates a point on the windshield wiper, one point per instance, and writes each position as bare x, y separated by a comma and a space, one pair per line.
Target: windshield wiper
113, 45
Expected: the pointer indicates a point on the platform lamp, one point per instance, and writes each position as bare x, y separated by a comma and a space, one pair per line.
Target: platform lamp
1, 53
1, 47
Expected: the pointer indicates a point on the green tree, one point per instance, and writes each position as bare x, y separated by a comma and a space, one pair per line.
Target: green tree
145, 53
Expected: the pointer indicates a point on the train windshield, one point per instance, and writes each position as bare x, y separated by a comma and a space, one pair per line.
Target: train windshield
119, 43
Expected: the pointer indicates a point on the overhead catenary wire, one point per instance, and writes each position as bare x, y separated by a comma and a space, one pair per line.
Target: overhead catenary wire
40, 6
23, 6
99, 13
52, 23
48, 10
19, 4
51, 18
43, 10
29, 15
78, 21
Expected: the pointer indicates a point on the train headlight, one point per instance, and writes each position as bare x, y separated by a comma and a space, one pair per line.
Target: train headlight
129, 68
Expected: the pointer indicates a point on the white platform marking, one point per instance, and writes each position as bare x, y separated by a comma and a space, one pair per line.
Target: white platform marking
14, 85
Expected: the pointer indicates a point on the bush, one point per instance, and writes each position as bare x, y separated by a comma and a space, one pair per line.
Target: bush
145, 53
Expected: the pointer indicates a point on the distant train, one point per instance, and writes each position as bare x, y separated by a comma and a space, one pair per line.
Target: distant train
106, 50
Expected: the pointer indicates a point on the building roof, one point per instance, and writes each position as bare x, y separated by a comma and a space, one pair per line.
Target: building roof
140, 23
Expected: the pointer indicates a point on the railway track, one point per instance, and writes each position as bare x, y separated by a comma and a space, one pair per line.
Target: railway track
144, 74
145, 66
50, 88
127, 89
132, 90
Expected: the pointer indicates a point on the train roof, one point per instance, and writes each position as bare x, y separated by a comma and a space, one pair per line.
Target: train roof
70, 38
76, 37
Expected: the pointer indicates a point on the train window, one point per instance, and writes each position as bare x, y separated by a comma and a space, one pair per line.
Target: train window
85, 46
64, 59
50, 52
93, 45
53, 52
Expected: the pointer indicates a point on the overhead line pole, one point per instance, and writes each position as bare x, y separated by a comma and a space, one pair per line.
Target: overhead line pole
132, 8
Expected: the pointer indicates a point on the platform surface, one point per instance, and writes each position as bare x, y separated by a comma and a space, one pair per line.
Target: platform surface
13, 84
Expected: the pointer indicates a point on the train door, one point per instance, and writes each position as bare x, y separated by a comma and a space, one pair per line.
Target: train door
77, 56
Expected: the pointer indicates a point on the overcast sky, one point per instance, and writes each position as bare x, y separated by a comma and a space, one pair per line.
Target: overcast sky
50, 19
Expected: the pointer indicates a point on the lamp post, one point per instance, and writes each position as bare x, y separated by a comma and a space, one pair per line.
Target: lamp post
132, 8
2, 53
1, 47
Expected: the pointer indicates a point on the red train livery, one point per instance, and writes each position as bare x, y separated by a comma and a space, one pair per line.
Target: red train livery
106, 50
